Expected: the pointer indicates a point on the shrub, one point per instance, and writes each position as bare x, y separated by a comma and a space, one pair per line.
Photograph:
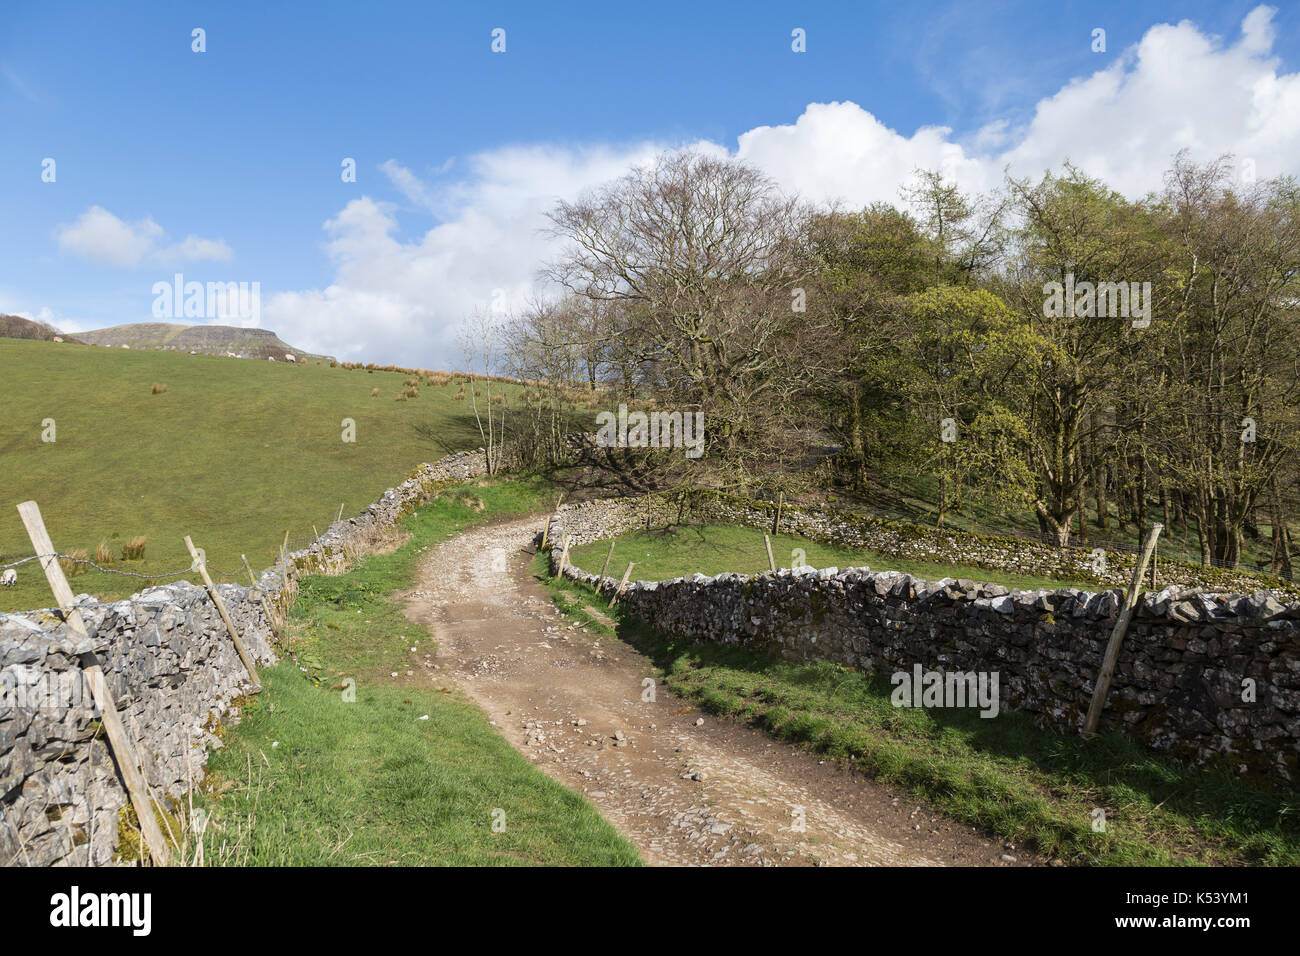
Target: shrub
133, 550
74, 563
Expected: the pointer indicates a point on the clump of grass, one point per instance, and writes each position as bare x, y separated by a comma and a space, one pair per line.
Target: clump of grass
74, 563
374, 393
412, 392
104, 554
159, 388
460, 395
401, 397
133, 550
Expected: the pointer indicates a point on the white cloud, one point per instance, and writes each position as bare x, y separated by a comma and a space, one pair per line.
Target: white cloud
102, 237
401, 301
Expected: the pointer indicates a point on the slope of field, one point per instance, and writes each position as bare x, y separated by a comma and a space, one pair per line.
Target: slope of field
204, 339
16, 327
233, 453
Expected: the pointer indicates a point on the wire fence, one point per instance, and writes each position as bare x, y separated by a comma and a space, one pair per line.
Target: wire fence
82, 605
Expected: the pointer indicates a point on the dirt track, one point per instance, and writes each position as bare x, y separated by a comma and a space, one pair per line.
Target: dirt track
687, 788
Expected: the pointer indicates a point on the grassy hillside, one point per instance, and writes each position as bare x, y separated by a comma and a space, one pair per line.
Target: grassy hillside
234, 453
204, 339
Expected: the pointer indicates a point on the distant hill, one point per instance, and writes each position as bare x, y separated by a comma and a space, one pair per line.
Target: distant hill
204, 339
16, 327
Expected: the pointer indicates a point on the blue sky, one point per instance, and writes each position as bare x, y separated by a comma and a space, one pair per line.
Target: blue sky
225, 165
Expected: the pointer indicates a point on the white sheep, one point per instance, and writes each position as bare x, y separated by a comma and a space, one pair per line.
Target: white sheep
288, 357
10, 577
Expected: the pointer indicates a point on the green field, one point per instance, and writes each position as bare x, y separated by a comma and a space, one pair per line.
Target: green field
713, 549
234, 453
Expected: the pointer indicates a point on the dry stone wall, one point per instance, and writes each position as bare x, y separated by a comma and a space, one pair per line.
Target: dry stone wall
1209, 678
174, 675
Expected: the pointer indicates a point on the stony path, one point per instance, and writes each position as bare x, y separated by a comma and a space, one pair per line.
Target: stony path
687, 788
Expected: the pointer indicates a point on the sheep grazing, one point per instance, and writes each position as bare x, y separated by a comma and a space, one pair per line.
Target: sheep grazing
10, 577
270, 358
288, 357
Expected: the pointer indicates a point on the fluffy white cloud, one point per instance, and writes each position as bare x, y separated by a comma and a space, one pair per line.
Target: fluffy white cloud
102, 237
404, 302
401, 301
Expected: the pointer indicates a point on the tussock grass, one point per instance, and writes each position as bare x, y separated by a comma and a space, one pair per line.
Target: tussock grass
133, 549
74, 563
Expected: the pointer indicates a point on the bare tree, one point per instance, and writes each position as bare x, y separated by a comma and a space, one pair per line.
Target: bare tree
479, 342
702, 252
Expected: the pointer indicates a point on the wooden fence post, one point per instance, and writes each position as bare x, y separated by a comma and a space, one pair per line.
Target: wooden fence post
771, 562
128, 763
564, 555
604, 567
221, 609
546, 528
780, 503
622, 584
270, 621
1102, 687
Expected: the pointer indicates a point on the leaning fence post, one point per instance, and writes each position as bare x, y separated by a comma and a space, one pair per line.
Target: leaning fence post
1102, 687
123, 750
202, 568
771, 562
622, 584
546, 528
266, 611
604, 567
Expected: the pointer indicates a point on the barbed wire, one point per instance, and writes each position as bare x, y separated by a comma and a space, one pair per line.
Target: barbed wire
193, 568
63, 610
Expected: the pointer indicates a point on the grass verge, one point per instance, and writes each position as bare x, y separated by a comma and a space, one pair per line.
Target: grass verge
1004, 775
408, 773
